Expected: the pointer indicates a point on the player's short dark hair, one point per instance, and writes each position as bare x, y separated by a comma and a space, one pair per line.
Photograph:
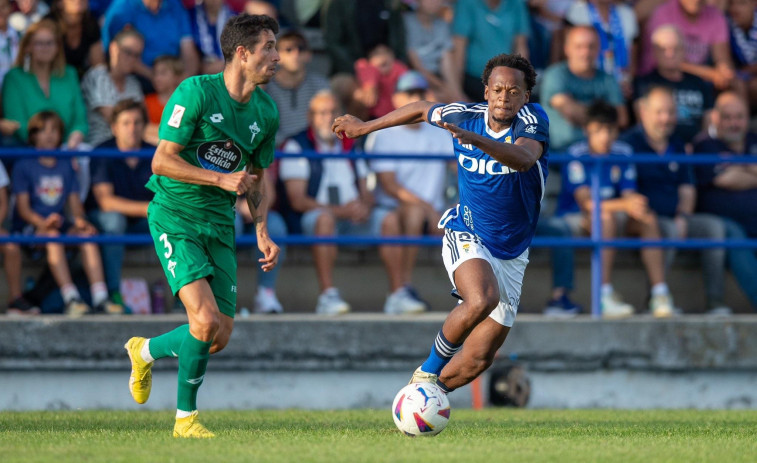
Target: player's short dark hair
601, 112
513, 61
37, 123
128, 104
245, 30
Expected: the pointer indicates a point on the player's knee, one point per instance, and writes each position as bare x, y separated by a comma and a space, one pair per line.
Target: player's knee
482, 303
206, 325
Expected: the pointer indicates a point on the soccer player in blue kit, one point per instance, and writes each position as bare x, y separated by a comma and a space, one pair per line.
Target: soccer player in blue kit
501, 148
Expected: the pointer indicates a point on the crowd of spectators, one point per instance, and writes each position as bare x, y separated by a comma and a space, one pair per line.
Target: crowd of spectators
615, 77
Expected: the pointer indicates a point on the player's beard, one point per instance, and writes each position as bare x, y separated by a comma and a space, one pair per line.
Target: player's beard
504, 121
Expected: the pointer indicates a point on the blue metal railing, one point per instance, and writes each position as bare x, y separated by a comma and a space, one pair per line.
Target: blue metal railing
595, 242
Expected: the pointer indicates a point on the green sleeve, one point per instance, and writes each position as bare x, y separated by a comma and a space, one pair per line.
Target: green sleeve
14, 107
182, 113
263, 155
79, 110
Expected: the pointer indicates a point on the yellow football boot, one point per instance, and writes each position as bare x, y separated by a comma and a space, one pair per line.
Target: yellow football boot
420, 376
140, 381
190, 427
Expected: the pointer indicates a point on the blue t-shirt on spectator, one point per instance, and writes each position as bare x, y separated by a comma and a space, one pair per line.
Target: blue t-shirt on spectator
127, 182
163, 32
614, 178
48, 187
659, 182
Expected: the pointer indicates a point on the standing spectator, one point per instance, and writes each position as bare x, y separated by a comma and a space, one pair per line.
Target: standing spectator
412, 188
207, 19
164, 25
617, 28
118, 188
41, 80
167, 75
476, 22
104, 86
82, 43
17, 304
28, 13
429, 49
730, 190
547, 31
670, 190
9, 39
693, 96
742, 22
623, 210
330, 197
705, 32
352, 28
294, 84
377, 76
44, 189
569, 87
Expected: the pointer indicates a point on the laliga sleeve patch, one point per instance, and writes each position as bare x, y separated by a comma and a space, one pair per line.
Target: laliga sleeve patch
436, 115
176, 115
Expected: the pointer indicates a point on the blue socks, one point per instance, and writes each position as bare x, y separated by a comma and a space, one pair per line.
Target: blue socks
440, 355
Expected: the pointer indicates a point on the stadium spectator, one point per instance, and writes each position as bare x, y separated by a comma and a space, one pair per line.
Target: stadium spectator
9, 40
265, 300
377, 76
569, 87
104, 86
617, 28
164, 25
45, 188
670, 190
623, 210
474, 25
742, 23
207, 19
730, 190
260, 7
429, 49
330, 197
82, 42
27, 13
41, 80
560, 304
547, 31
118, 188
167, 75
693, 96
351, 28
413, 188
17, 304
705, 32
294, 84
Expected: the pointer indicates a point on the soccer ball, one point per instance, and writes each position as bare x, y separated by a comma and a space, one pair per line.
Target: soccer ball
421, 409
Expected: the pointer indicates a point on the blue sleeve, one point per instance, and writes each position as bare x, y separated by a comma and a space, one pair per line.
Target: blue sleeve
531, 122
20, 179
116, 18
99, 171
72, 181
452, 113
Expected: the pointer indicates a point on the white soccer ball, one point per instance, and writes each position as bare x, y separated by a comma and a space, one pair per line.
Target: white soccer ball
421, 409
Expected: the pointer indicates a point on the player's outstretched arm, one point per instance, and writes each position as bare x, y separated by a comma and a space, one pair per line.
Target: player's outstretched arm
257, 201
352, 127
520, 156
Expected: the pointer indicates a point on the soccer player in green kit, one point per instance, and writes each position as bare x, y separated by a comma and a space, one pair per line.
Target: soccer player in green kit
216, 139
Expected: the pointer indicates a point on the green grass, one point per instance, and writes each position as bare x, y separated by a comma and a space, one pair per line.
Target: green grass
491, 435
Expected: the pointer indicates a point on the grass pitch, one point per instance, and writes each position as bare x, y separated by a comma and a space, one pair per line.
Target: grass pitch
491, 435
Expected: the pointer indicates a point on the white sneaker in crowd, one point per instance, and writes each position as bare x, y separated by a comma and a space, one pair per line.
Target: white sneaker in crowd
402, 301
661, 306
614, 307
266, 301
331, 303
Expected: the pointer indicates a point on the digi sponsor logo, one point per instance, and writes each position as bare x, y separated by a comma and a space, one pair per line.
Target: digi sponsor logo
219, 156
483, 166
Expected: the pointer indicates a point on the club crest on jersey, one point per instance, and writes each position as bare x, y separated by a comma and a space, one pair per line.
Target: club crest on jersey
530, 129
255, 130
219, 156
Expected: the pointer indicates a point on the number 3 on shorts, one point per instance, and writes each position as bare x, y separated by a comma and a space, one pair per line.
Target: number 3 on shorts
167, 245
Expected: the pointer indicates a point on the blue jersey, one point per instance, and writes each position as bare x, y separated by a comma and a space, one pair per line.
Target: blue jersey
498, 204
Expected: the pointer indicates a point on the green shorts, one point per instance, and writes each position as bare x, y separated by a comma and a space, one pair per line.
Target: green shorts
190, 250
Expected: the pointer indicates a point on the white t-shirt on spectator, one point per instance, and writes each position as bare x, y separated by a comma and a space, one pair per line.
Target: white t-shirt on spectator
425, 179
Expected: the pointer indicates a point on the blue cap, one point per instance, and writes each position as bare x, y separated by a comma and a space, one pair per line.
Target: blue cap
411, 80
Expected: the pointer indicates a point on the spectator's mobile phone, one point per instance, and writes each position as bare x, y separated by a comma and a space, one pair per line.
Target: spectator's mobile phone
333, 195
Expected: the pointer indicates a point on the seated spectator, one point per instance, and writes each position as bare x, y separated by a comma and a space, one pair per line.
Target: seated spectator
265, 300
414, 189
118, 188
560, 304
294, 84
617, 28
40, 81
429, 49
259, 7
330, 197
623, 210
82, 43
730, 190
9, 40
168, 73
742, 23
377, 76
569, 87
207, 19
671, 193
705, 32
104, 86
45, 188
17, 304
164, 25
474, 25
27, 13
693, 96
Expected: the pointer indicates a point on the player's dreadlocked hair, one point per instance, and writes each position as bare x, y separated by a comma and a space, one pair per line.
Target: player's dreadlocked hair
245, 30
511, 61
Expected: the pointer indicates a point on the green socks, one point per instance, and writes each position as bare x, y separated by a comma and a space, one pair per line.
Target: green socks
193, 359
168, 344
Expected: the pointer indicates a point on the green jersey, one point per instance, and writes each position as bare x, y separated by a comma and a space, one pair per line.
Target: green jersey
219, 134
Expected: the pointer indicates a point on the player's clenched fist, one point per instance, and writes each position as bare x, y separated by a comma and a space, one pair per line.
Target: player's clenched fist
347, 125
238, 182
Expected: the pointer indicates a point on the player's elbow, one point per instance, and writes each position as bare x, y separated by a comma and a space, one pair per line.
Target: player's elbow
158, 163
525, 164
